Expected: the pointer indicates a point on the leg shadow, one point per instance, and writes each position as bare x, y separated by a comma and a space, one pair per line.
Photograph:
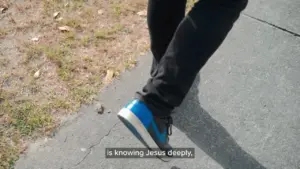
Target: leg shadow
210, 135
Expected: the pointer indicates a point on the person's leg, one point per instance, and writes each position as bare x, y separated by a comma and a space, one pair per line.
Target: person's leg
163, 19
197, 37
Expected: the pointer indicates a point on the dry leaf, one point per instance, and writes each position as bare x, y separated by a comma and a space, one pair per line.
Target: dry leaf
3, 9
56, 15
142, 13
37, 74
59, 19
65, 28
35, 39
109, 76
100, 11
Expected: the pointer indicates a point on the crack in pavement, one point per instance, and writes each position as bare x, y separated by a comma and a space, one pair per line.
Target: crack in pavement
273, 25
66, 138
92, 146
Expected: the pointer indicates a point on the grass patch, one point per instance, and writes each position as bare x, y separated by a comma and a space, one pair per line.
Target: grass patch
3, 32
59, 103
76, 5
27, 117
19, 119
61, 56
87, 59
82, 94
88, 13
108, 33
85, 41
124, 9
130, 63
74, 23
50, 6
4, 96
78, 63
70, 36
57, 55
64, 73
117, 9
33, 52
69, 40
4, 62
9, 152
33, 87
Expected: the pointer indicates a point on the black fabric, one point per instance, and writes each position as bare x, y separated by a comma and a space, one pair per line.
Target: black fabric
181, 45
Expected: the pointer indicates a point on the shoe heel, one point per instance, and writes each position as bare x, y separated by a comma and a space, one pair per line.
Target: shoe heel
138, 129
141, 111
127, 118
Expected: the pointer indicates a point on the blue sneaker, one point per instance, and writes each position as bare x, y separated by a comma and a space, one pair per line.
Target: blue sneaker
152, 131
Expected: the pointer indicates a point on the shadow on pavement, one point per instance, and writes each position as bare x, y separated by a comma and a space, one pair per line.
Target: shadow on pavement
209, 135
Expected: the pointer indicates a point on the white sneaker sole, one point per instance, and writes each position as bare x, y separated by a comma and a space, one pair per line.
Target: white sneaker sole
127, 116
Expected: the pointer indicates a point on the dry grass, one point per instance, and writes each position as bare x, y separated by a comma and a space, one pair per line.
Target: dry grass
3, 32
72, 64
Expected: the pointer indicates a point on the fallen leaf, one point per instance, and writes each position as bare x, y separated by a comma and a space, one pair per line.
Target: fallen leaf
142, 13
100, 11
109, 76
35, 39
37, 74
65, 28
3, 9
59, 19
56, 15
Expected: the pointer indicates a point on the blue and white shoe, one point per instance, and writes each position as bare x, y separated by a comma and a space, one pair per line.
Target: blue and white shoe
153, 132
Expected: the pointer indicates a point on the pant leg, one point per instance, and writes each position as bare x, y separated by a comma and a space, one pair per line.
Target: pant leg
197, 37
163, 18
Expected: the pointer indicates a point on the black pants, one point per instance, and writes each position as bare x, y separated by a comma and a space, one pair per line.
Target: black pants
181, 45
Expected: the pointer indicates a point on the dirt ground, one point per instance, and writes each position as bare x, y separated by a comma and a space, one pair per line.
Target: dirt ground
56, 55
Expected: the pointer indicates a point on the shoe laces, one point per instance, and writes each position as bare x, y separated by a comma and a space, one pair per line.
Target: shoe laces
168, 121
